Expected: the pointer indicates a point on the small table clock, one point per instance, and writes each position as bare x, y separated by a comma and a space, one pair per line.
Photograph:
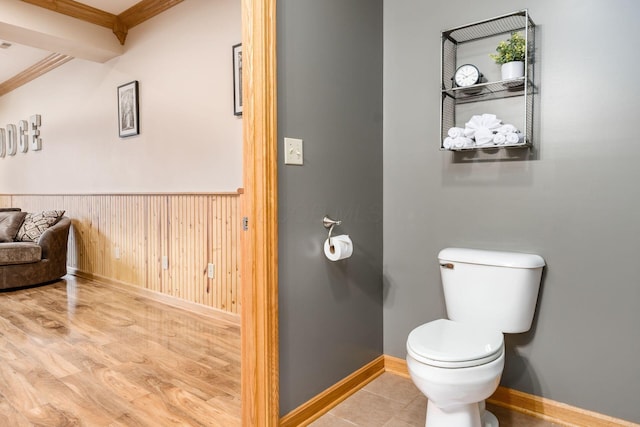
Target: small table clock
467, 75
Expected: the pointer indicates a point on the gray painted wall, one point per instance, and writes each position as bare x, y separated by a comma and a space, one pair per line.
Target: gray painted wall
576, 201
330, 95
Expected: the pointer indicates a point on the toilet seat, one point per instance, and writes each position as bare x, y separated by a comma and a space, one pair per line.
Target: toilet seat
448, 344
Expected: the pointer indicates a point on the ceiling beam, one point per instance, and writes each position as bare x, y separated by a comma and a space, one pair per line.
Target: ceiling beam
146, 9
49, 63
43, 28
119, 24
77, 10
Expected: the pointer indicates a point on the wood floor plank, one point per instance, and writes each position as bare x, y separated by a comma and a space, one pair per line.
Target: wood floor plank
81, 353
48, 415
161, 413
9, 416
63, 403
19, 392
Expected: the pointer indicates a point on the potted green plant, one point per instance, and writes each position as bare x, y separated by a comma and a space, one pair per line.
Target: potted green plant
510, 54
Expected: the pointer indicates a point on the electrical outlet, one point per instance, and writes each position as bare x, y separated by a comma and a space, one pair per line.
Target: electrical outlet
116, 252
293, 151
165, 262
211, 271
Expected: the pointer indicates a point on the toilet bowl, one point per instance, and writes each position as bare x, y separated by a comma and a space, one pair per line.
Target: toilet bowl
457, 362
457, 366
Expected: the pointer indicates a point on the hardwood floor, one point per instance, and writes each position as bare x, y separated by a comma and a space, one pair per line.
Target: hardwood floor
81, 353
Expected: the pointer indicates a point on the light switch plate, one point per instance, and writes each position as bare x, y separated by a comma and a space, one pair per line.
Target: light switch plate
293, 151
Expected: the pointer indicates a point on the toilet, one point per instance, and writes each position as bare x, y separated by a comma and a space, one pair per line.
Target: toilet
457, 362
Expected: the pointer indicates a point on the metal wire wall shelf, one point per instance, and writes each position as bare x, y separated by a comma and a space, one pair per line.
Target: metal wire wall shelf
523, 87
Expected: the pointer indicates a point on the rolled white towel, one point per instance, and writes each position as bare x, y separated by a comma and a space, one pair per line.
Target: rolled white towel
455, 132
483, 136
514, 138
507, 128
454, 143
462, 142
499, 139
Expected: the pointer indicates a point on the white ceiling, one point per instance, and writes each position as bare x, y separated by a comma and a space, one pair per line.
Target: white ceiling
18, 57
111, 6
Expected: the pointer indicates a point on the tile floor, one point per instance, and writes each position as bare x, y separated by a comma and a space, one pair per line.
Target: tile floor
393, 401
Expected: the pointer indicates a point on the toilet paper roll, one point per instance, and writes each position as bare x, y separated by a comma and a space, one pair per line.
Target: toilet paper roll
341, 247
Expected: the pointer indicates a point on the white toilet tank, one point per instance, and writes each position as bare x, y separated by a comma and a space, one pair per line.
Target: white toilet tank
492, 288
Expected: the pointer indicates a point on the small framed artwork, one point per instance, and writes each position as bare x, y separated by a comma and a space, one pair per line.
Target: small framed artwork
128, 117
237, 79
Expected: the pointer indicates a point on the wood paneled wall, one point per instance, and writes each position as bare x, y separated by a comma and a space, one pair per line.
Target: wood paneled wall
191, 230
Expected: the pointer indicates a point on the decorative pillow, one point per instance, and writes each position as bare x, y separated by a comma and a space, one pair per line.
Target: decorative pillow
36, 223
10, 222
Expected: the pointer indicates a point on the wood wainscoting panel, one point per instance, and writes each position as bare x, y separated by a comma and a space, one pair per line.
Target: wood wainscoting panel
124, 238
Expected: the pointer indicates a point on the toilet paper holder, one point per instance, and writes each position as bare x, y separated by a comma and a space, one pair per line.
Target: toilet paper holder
330, 223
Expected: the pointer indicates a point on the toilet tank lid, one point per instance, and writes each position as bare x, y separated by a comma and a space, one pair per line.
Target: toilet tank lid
494, 258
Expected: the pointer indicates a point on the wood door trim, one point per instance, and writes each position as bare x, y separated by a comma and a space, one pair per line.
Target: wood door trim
260, 376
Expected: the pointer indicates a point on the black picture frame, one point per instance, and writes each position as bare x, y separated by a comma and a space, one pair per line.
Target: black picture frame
128, 112
237, 79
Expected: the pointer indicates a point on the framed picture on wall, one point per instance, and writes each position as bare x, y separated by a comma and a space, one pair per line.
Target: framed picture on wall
237, 79
128, 118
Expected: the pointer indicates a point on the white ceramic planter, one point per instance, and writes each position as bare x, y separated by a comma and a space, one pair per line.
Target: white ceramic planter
512, 70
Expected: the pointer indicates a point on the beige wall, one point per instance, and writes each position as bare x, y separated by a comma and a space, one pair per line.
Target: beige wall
190, 141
